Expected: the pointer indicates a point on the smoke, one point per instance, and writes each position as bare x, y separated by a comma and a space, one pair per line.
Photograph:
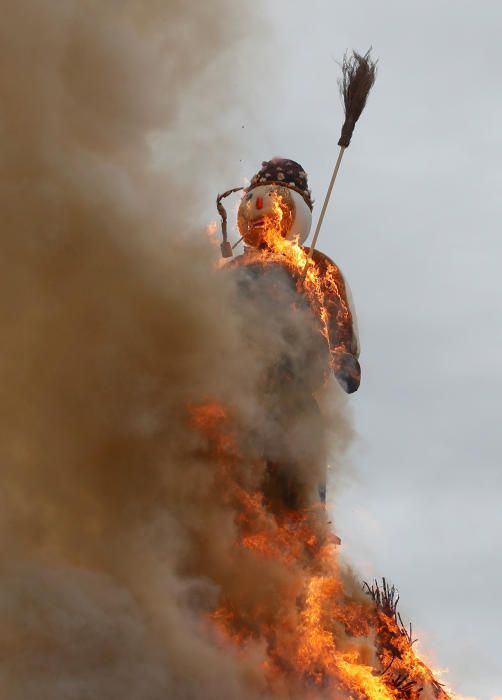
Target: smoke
116, 542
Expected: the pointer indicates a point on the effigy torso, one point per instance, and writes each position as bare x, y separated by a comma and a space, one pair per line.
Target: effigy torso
313, 326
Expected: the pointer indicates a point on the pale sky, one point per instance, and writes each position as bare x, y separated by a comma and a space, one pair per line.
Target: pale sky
415, 226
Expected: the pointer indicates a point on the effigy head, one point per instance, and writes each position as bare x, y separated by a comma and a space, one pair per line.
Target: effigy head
277, 202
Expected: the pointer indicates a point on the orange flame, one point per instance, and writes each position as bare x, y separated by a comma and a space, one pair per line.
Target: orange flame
317, 285
327, 638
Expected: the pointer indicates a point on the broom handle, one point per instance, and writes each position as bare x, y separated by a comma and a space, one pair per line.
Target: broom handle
323, 211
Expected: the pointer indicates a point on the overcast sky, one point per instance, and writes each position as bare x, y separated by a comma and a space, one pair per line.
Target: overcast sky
415, 226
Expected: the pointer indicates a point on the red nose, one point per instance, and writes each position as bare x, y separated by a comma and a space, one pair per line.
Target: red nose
259, 202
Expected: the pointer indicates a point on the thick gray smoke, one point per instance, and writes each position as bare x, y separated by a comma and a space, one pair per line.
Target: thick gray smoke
115, 542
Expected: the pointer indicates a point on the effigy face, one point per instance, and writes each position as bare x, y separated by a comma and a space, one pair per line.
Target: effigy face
273, 210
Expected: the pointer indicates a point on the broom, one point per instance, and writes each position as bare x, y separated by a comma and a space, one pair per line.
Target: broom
358, 76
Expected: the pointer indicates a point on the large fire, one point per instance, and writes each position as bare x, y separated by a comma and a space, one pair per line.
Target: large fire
327, 638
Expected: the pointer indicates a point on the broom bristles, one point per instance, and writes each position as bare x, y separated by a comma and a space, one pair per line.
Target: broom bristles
358, 76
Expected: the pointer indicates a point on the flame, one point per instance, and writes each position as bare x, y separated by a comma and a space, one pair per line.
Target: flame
272, 245
318, 285
323, 639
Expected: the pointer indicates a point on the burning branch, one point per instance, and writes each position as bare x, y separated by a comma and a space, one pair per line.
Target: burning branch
395, 642
385, 597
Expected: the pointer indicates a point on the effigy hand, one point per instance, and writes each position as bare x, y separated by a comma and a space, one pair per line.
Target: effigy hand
347, 370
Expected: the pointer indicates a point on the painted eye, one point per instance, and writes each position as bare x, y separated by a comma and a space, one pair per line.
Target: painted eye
249, 196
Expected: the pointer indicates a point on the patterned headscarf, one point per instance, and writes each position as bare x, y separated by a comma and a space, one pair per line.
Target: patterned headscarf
282, 171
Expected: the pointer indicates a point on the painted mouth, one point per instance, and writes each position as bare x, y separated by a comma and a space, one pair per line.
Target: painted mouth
258, 224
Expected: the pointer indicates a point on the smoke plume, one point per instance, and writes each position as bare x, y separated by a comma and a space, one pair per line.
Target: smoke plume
117, 542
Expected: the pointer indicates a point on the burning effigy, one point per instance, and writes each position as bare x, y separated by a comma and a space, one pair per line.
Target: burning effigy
328, 637
276, 270
274, 219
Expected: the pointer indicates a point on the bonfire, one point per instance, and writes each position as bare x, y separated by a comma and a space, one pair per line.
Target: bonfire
325, 640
